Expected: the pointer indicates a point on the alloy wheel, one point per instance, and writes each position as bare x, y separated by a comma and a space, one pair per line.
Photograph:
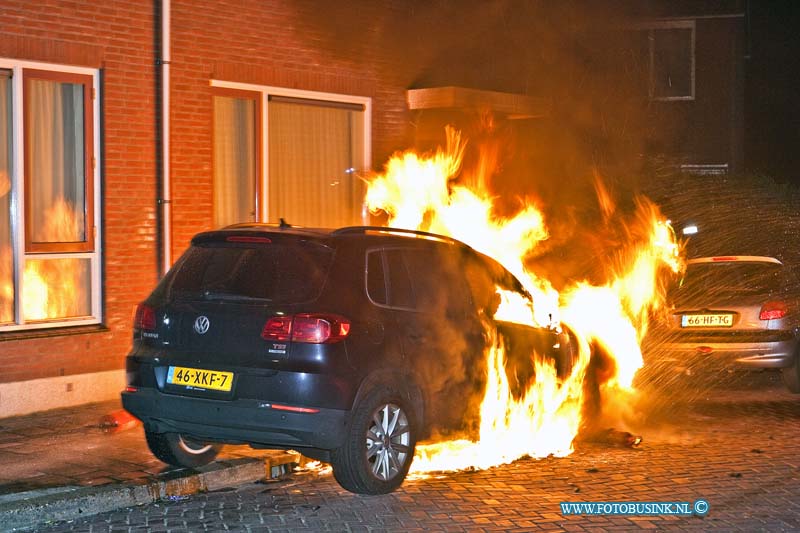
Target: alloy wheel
388, 441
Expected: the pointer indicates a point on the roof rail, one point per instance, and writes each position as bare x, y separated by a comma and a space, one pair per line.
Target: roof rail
384, 229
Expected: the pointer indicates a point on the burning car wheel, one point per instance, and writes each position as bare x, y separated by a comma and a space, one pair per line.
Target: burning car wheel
178, 450
379, 448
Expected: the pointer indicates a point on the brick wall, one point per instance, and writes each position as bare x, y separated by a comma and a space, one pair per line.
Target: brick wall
116, 36
281, 44
286, 44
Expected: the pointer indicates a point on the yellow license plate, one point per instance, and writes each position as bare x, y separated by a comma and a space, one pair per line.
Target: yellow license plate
197, 378
718, 320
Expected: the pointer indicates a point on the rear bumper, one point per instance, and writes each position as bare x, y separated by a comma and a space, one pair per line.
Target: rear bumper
251, 422
776, 354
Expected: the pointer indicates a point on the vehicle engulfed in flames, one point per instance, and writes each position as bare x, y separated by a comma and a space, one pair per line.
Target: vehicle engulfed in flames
322, 340
425, 345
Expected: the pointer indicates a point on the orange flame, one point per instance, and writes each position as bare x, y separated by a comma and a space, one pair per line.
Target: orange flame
50, 287
426, 192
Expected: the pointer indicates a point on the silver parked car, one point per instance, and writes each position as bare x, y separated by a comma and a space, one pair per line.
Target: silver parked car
734, 311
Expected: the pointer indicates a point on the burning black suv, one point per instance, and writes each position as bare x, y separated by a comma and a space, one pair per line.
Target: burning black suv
347, 345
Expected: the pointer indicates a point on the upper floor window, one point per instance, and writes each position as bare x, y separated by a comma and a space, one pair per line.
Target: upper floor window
49, 196
672, 60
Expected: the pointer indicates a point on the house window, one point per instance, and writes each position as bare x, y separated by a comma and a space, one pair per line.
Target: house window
237, 139
49, 253
306, 168
671, 50
314, 151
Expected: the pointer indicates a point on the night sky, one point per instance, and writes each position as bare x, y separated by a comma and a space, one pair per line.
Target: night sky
772, 105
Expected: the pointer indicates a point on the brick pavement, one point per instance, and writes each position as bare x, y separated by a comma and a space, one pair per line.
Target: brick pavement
68, 447
734, 446
63, 464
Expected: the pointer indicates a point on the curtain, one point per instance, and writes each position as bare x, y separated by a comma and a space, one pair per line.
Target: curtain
6, 257
55, 173
56, 161
234, 160
312, 158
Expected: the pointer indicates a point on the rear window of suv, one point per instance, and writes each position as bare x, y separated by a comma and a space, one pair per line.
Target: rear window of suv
287, 272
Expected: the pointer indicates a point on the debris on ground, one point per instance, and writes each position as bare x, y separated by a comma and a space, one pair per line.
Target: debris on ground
118, 420
613, 437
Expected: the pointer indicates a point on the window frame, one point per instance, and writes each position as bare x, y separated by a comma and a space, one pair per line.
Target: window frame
651, 29
21, 253
266, 92
387, 271
257, 99
86, 245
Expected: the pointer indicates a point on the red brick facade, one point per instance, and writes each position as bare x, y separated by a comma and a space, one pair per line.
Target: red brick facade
116, 37
272, 47
253, 41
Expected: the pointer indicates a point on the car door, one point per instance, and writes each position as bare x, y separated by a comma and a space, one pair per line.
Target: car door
441, 337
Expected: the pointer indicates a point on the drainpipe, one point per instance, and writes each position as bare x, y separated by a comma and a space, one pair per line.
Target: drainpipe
165, 202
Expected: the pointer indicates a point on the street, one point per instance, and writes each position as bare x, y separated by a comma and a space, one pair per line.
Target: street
730, 440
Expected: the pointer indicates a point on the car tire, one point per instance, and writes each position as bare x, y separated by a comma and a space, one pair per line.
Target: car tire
178, 450
791, 375
379, 446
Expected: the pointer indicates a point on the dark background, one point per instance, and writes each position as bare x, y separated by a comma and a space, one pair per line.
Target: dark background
772, 111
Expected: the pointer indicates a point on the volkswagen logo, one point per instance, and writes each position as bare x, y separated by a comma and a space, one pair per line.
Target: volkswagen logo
201, 324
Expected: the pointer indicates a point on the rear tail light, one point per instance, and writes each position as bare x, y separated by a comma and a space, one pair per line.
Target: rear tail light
313, 328
319, 329
277, 328
773, 311
145, 318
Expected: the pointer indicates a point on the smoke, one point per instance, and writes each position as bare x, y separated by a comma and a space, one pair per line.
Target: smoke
446, 349
575, 55
455, 294
580, 164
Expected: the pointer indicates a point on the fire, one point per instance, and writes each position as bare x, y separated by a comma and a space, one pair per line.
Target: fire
51, 288
416, 192
542, 422
432, 193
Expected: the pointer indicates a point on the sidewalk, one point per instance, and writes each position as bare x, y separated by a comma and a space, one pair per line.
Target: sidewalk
66, 463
